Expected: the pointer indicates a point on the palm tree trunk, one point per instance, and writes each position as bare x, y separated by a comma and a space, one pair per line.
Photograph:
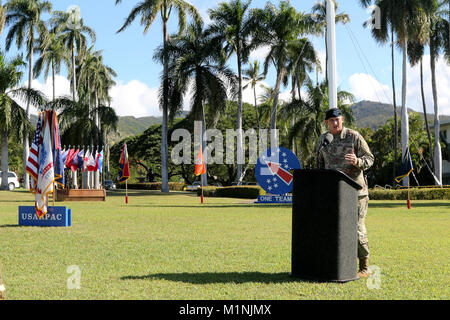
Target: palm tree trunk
74, 78
395, 104
326, 54
26, 142
97, 132
164, 143
53, 79
437, 126
203, 143
4, 185
405, 121
430, 141
256, 108
273, 117
240, 148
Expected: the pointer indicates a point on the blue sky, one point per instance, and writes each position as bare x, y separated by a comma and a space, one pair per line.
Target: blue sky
364, 67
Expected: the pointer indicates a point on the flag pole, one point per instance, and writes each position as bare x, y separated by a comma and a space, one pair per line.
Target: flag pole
409, 199
126, 192
201, 178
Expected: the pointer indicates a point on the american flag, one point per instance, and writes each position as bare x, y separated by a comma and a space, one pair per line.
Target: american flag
33, 162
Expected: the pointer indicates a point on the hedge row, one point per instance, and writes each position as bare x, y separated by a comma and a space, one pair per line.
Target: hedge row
173, 186
243, 192
414, 194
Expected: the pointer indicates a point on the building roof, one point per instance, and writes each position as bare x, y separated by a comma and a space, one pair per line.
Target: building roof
442, 124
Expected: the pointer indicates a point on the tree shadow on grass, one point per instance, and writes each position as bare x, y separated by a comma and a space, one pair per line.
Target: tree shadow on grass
387, 205
207, 206
220, 277
18, 201
146, 193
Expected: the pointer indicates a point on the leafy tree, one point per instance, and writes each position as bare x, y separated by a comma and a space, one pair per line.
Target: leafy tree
381, 145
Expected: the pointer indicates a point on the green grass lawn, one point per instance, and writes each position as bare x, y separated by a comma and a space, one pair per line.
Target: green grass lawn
169, 246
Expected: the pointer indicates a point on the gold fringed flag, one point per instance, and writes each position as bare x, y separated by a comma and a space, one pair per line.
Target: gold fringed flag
46, 173
406, 168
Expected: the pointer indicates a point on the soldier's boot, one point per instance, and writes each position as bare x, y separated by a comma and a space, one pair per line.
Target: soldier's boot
2, 287
364, 271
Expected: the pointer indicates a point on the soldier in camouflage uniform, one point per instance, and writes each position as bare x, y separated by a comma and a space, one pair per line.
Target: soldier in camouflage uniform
348, 152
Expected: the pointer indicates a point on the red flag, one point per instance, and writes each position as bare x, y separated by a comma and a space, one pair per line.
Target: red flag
70, 161
124, 166
200, 164
69, 158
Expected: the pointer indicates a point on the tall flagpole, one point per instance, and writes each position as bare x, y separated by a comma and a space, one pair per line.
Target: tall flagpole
331, 40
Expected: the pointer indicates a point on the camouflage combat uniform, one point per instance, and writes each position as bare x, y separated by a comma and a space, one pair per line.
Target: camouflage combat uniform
332, 156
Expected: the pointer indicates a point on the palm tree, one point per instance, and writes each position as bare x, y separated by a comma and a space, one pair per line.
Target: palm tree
253, 76
2, 17
302, 59
415, 54
279, 29
149, 10
73, 34
52, 54
438, 41
11, 114
196, 61
404, 17
24, 16
320, 18
381, 36
95, 80
231, 22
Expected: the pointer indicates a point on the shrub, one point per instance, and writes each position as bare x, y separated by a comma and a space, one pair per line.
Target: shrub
414, 194
243, 192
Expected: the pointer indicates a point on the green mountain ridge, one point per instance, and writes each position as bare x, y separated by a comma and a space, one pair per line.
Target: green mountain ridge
369, 114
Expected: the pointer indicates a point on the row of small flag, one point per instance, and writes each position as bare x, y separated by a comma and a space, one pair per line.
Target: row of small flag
79, 159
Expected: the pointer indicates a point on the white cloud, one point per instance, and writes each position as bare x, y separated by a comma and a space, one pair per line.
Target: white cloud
248, 95
135, 99
414, 97
130, 99
62, 87
259, 54
366, 87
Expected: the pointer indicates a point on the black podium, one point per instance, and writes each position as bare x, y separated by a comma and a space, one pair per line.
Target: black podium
324, 226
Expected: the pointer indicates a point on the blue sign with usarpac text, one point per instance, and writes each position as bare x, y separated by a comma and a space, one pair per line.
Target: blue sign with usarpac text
55, 217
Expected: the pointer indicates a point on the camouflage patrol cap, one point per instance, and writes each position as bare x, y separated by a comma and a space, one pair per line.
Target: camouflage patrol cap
333, 113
